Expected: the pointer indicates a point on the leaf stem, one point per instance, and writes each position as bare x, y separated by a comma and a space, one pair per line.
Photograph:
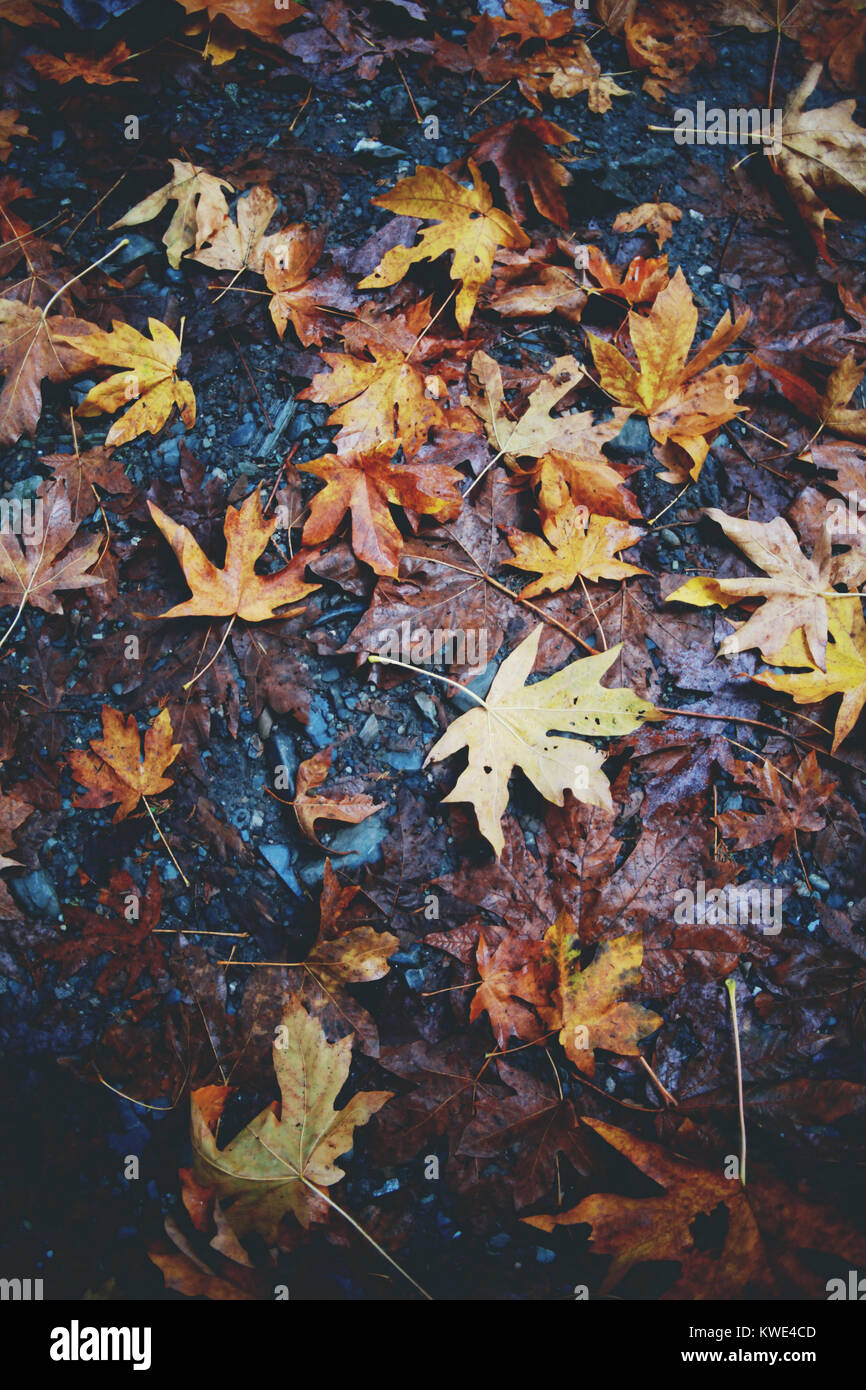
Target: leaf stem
165, 841
731, 987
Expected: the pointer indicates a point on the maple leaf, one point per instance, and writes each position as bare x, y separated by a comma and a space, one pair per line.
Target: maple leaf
528, 20
845, 672
587, 1006
115, 771
794, 589
517, 149
35, 571
576, 543
201, 209
670, 40
511, 979
351, 807
639, 283
242, 244
567, 447
13, 812
9, 130
260, 17
236, 588
658, 218
683, 402
743, 1261
33, 349
829, 406
794, 806
125, 935
467, 224
368, 486
822, 151
82, 473
289, 259
343, 954
382, 396
277, 1163
565, 72
94, 71
526, 288
512, 728
534, 1123
150, 377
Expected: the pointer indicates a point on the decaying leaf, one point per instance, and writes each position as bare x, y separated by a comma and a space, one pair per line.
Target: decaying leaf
350, 807
201, 208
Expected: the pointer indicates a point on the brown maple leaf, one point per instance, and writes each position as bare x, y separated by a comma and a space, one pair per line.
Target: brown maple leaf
512, 978
9, 131
658, 218
97, 72
236, 589
298, 298
114, 770
125, 934
350, 807
751, 1249
638, 283
670, 40
794, 805
518, 151
36, 570
33, 348
368, 486
82, 473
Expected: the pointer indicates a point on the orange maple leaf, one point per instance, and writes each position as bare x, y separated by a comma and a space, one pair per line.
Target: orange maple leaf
368, 486
115, 771
236, 589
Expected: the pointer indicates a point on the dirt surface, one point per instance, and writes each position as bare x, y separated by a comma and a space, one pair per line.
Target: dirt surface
73, 1218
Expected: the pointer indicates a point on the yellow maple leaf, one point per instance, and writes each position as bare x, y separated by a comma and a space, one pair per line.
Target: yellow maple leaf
466, 223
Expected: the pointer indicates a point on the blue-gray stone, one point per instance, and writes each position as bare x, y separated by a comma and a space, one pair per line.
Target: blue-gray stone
35, 895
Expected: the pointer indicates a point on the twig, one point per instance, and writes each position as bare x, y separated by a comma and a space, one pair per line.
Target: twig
730, 986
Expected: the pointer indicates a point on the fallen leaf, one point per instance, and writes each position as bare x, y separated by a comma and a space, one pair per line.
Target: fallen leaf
794, 589
367, 487
658, 218
201, 209
794, 805
466, 223
150, 377
350, 807
10, 130
36, 568
33, 349
97, 72
683, 402
587, 1006
822, 151
512, 728
236, 588
517, 149
115, 771
845, 673
576, 543
278, 1162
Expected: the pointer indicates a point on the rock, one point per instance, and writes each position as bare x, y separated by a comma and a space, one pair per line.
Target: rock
280, 858
243, 435
402, 761
283, 760
355, 845
633, 438
370, 731
35, 895
427, 707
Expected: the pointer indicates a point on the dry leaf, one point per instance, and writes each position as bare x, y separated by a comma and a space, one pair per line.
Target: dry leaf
115, 771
